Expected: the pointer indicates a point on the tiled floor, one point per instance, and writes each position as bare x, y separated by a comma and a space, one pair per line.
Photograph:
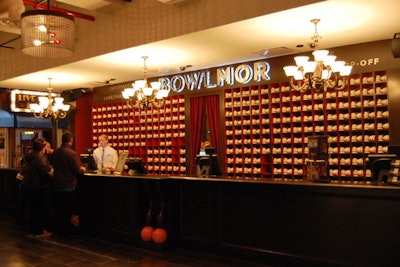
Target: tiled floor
19, 250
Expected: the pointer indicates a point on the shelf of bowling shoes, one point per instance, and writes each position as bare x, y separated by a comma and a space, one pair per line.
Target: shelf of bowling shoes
354, 105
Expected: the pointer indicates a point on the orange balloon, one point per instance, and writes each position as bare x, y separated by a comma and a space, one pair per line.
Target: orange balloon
159, 236
146, 233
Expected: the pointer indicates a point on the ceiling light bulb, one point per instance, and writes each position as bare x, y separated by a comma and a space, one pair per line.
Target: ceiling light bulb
35, 107
155, 85
37, 42
66, 107
148, 91
310, 66
43, 101
301, 60
337, 66
42, 28
58, 100
320, 55
346, 70
140, 83
159, 95
290, 70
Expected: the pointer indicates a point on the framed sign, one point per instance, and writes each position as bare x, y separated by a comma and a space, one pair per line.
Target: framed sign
121, 163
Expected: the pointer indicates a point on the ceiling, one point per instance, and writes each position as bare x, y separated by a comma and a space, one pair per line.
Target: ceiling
343, 22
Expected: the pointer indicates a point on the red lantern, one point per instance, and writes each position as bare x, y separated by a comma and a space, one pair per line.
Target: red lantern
159, 236
146, 233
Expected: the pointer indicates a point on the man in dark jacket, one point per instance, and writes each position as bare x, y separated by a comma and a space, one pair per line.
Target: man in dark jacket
67, 169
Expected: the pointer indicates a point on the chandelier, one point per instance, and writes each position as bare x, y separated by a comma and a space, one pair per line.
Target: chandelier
142, 95
50, 106
322, 73
47, 33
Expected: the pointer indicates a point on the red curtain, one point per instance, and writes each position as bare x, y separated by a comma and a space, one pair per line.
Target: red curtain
212, 106
197, 106
196, 128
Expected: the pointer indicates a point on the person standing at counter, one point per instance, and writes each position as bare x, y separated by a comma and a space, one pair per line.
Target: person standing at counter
48, 151
67, 169
105, 156
37, 180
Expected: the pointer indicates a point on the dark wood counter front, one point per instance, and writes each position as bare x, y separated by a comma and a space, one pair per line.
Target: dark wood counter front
296, 223
282, 224
8, 189
115, 207
316, 222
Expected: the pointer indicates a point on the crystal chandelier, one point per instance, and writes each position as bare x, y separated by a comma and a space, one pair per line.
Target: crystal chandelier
50, 106
322, 73
142, 95
47, 33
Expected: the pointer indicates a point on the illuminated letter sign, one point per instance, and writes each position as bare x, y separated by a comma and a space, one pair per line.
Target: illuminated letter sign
225, 75
194, 80
20, 99
243, 74
178, 83
261, 70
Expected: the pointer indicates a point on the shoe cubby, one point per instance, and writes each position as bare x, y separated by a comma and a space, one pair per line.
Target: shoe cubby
155, 135
267, 128
247, 132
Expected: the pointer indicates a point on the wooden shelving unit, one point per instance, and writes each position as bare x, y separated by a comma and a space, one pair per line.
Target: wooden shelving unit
267, 128
155, 135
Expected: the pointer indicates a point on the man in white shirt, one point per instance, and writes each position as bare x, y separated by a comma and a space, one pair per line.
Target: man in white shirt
105, 156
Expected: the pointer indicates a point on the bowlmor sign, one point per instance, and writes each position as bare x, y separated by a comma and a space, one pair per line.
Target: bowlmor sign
249, 73
227, 76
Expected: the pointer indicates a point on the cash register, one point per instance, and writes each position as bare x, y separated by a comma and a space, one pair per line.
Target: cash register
135, 166
87, 161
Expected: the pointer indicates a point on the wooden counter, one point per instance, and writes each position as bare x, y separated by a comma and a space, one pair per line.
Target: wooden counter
8, 189
296, 224
283, 222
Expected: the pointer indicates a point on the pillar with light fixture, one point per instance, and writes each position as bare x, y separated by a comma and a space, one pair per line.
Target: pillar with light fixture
47, 33
322, 73
141, 95
50, 106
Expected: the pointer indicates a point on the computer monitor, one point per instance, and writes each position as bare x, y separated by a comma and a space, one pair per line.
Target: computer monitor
208, 165
88, 162
380, 166
210, 150
137, 165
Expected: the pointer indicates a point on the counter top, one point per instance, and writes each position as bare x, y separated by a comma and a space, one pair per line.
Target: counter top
308, 184
332, 186
9, 169
138, 176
